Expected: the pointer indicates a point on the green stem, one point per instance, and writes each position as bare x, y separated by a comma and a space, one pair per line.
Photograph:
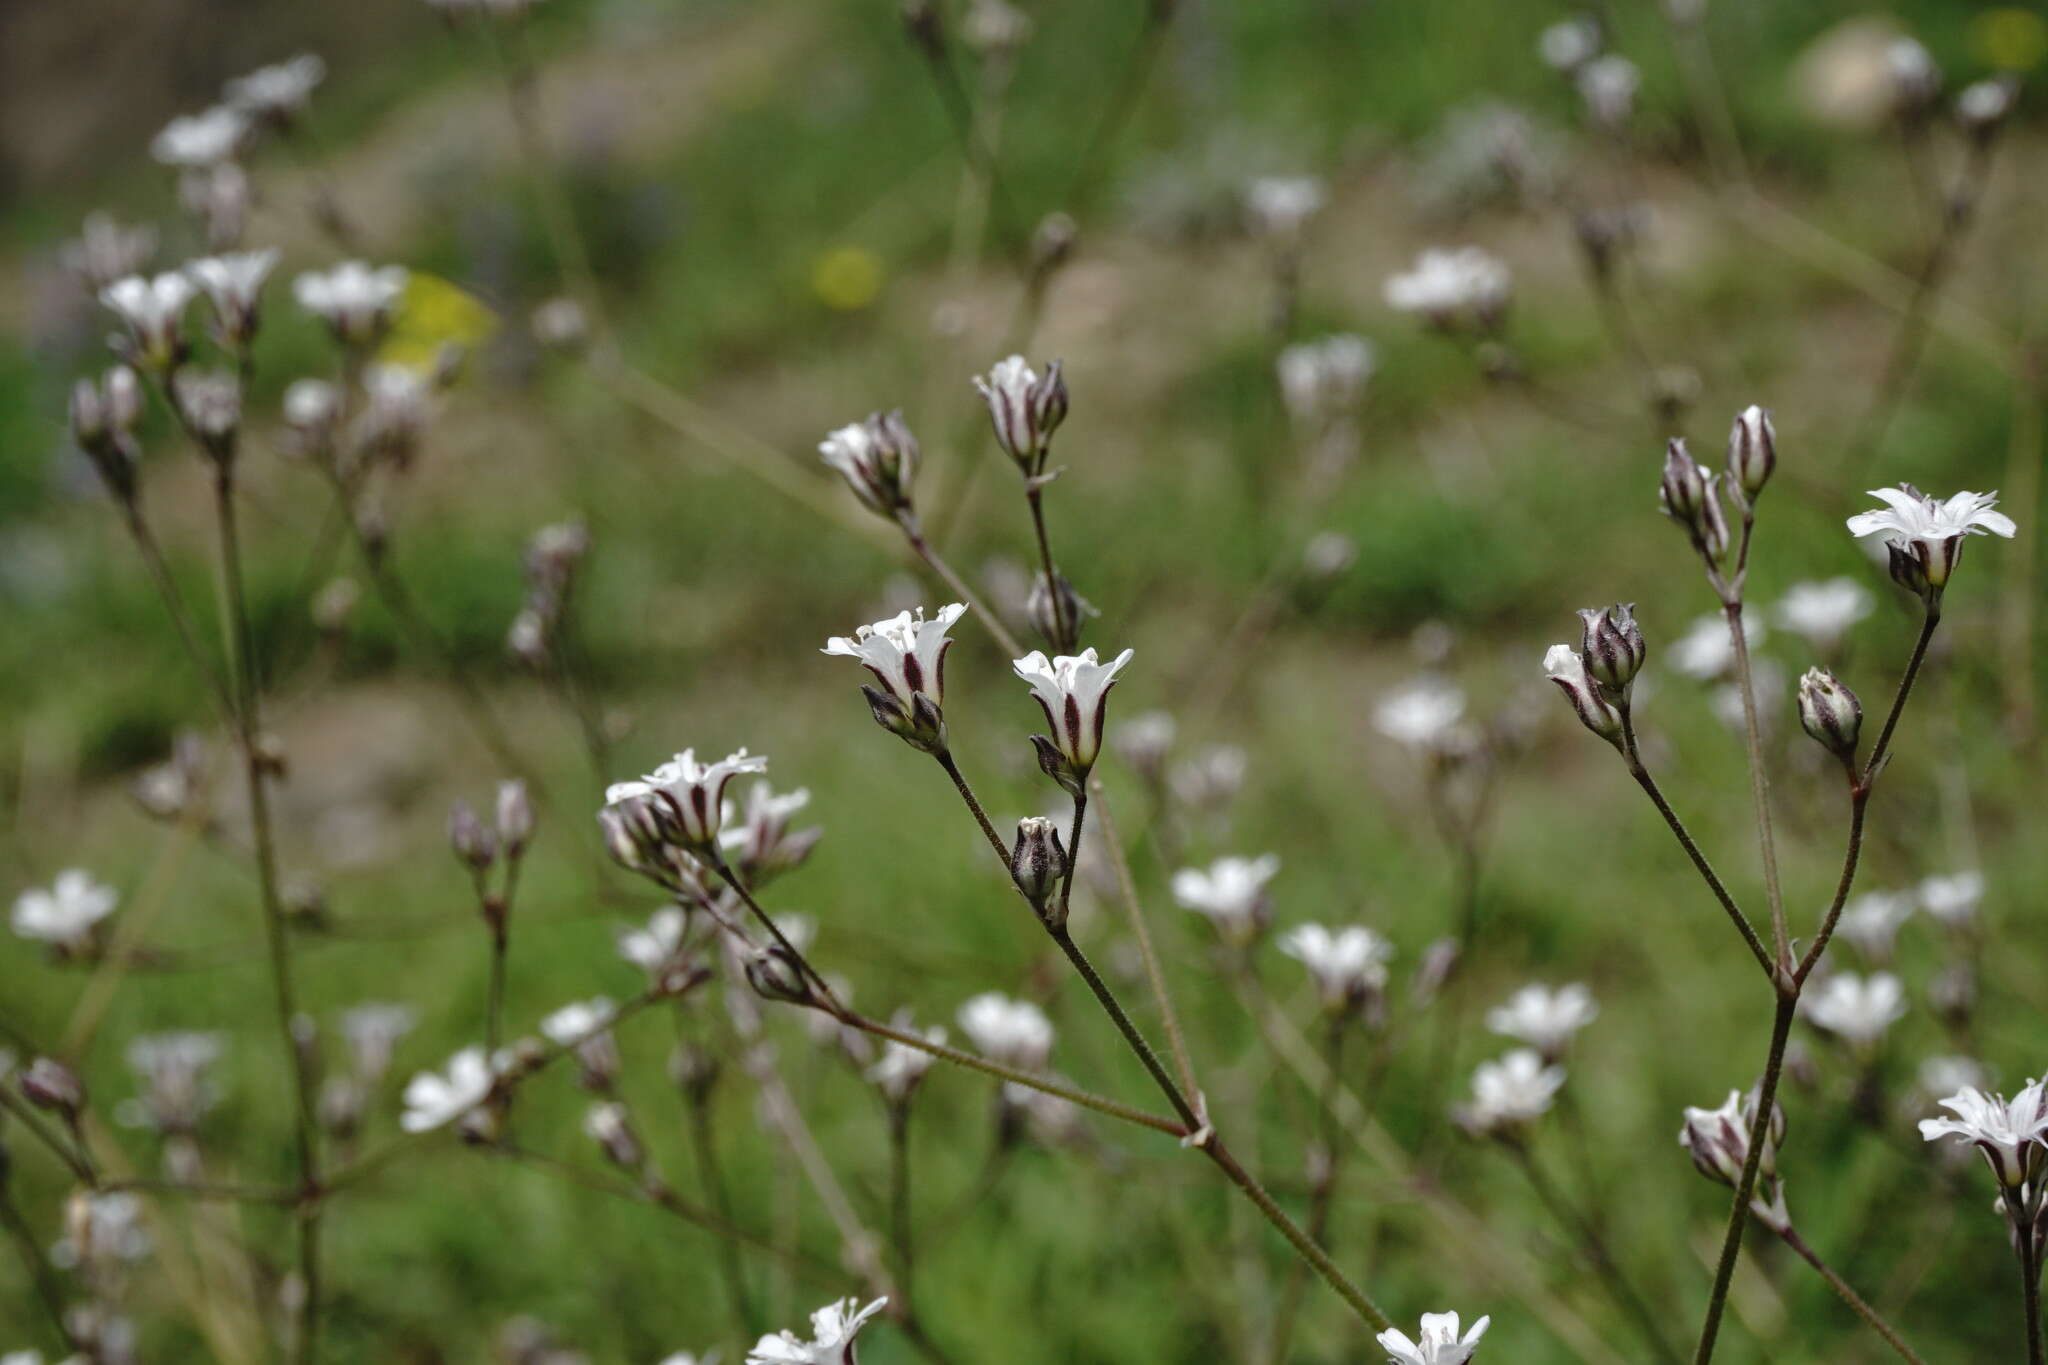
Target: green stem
1576, 1223
1851, 1297
38, 1266
1759, 779
710, 1172
914, 534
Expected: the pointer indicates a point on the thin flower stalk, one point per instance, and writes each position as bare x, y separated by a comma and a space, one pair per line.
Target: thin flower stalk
1851, 1297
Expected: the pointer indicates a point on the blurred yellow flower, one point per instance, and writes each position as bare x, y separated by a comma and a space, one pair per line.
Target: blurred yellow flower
2009, 38
847, 278
434, 315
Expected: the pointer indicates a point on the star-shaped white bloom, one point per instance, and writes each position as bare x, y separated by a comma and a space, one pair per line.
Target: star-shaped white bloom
1423, 714
152, 308
1857, 1009
1543, 1018
906, 653
1439, 1343
67, 913
434, 1098
573, 1023
1931, 530
695, 792
1446, 283
833, 1329
1230, 893
1513, 1090
232, 281
1074, 691
352, 298
279, 90
2010, 1133
1347, 964
1871, 921
198, 141
1014, 1032
1952, 899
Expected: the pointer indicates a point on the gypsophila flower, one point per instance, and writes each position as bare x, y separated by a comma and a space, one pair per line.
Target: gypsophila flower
355, 301
900, 1068
65, 915
1545, 1019
689, 795
173, 1068
1608, 87
210, 402
763, 846
1230, 894
907, 655
1985, 105
575, 1022
1323, 379
105, 251
1953, 899
1438, 1343
1348, 965
1718, 1141
1281, 205
1925, 535
1210, 780
153, 310
1510, 1093
1451, 287
1871, 922
434, 1099
233, 283
1944, 1074
373, 1030
1856, 1009
653, 947
1707, 651
1424, 714
277, 92
202, 140
994, 29
1073, 690
1024, 408
1144, 741
2010, 1133
1821, 613
1564, 666
1013, 1032
833, 1329
1915, 78
102, 1229
878, 458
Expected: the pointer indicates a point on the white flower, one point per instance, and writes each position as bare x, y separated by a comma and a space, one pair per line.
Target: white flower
762, 845
65, 914
104, 250
1144, 740
1569, 44
198, 141
1544, 1019
433, 1099
1281, 205
232, 283
901, 1066
1423, 714
1718, 1142
1944, 1074
1564, 665
1952, 899
833, 1329
1212, 778
153, 309
1231, 894
1608, 85
573, 1023
1074, 691
1929, 531
1439, 1343
372, 1031
877, 458
354, 300
906, 653
650, 949
1320, 379
692, 792
1857, 1009
1024, 407
1348, 965
110, 1230
1448, 284
277, 91
1871, 921
1708, 651
1512, 1091
1823, 612
2010, 1133
1014, 1032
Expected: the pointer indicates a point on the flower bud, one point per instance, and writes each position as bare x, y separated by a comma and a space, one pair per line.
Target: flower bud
1049, 402
211, 405
1718, 1141
1568, 670
1612, 645
1752, 449
694, 1070
1984, 106
473, 843
1057, 766
515, 817
1038, 863
775, 974
1830, 713
49, 1084
922, 726
1056, 613
1691, 497
1909, 569
611, 1127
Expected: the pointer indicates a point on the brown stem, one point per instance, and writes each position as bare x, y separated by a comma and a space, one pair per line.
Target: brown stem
1851, 1297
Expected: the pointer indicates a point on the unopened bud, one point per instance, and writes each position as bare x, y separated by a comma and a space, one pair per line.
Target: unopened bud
694, 1070
775, 974
49, 1084
1052, 242
473, 843
1612, 645
1985, 105
1056, 613
1057, 766
611, 1127
1567, 668
1830, 713
1752, 449
922, 727
1038, 863
515, 817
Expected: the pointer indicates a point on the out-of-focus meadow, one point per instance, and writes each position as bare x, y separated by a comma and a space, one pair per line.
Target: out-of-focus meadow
784, 231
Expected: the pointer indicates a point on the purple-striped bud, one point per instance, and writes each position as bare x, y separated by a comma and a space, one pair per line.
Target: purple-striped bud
1752, 449
1830, 713
1612, 646
1568, 670
1038, 864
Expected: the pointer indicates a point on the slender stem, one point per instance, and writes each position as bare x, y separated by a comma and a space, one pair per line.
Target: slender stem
2030, 1273
1631, 754
988, 830
913, 533
1881, 750
803, 964
1577, 1224
1301, 1241
1859, 799
899, 1196
1851, 1297
494, 1006
1759, 780
1155, 976
174, 606
38, 1266
711, 1173
1193, 1121
1066, 633
1074, 832
74, 1158
1123, 99
1738, 1214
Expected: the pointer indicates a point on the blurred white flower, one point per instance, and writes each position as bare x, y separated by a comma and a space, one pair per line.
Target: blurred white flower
1570, 43
1438, 1344
172, 1067
153, 310
1013, 1032
104, 250
901, 1066
1281, 205
1320, 380
1931, 531
1231, 894
1953, 899
232, 283
1543, 1018
1856, 1009
103, 1228
372, 1031
66, 914
1944, 1074
878, 459
1707, 651
1822, 612
1423, 714
1073, 690
199, 141
1212, 778
1449, 285
1144, 740
354, 300
278, 91
434, 1099
2010, 1133
833, 1329
651, 948
1510, 1092
1871, 922
1608, 86
762, 845
1348, 965
573, 1023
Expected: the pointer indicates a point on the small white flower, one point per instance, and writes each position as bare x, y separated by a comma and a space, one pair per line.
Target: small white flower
2010, 1133
652, 948
693, 793
1512, 1091
434, 1099
906, 653
372, 1031
1945, 1074
1024, 408
105, 250
1144, 739
901, 1066
277, 91
573, 1023
1320, 380
1707, 651
199, 141
833, 1329
110, 1230
877, 458
762, 845
1953, 899
1543, 1018
232, 283
1348, 965
1930, 531
153, 310
1438, 1344
354, 300
1871, 921
1718, 1142
1424, 714
1608, 86
1281, 205
66, 914
1822, 612
1857, 1009
1013, 1032
1569, 44
1074, 692
1230, 894
1564, 665
1449, 285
